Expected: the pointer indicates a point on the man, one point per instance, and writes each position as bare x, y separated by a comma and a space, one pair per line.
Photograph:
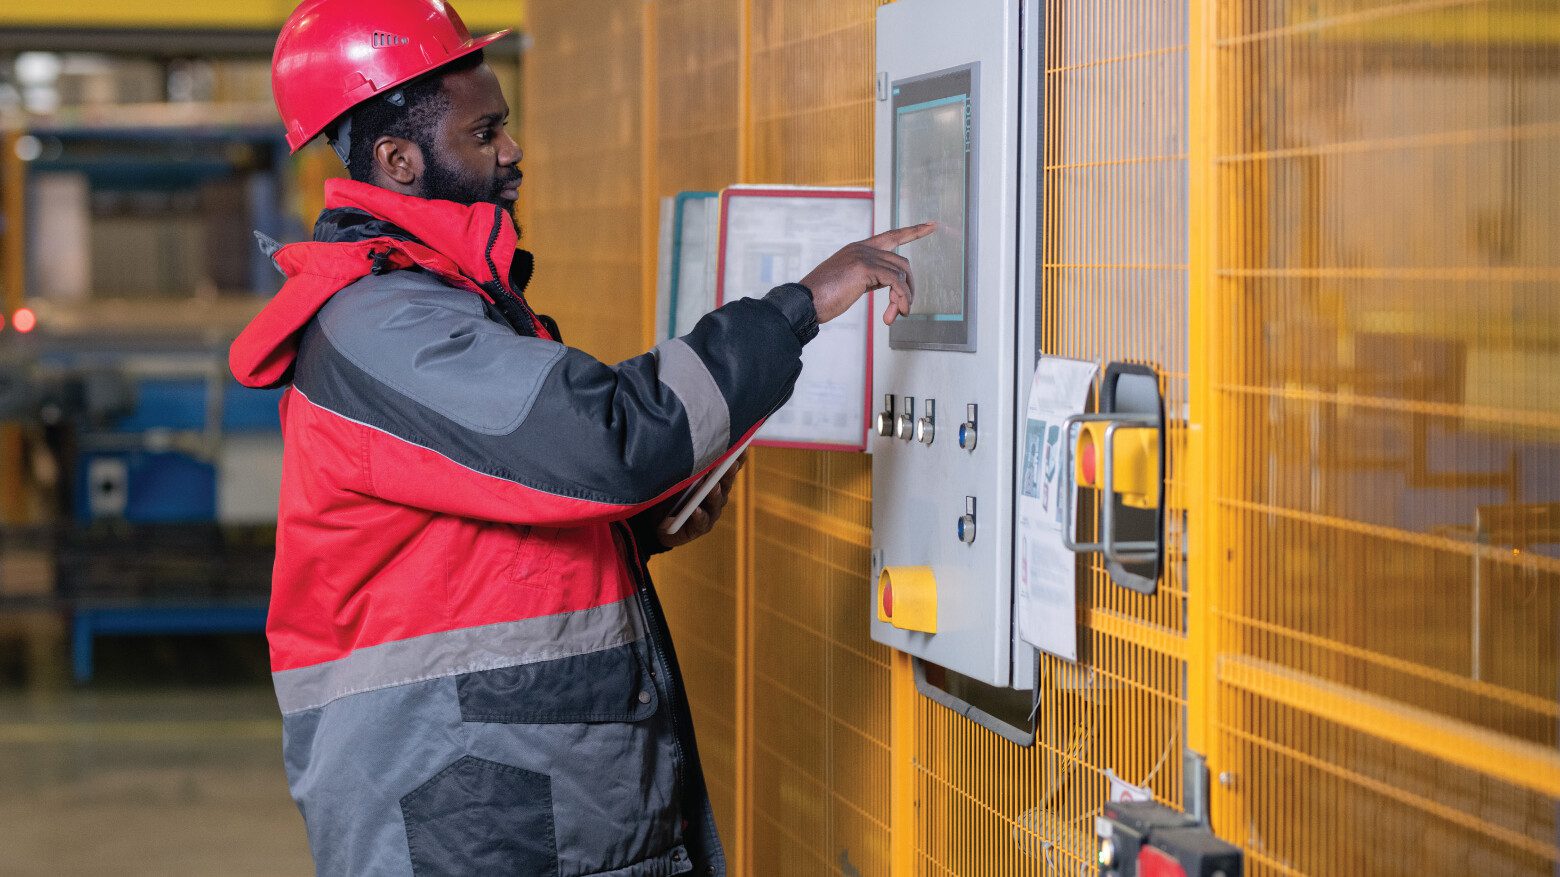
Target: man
474, 673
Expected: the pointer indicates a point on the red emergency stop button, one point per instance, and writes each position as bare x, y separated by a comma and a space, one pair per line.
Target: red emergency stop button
1088, 462
1157, 863
888, 598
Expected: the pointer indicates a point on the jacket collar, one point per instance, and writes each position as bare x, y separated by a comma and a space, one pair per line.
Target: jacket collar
470, 246
480, 239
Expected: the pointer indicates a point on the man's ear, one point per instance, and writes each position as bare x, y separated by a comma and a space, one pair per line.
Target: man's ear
399, 160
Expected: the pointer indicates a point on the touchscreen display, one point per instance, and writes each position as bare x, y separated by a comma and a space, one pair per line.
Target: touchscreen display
930, 181
933, 151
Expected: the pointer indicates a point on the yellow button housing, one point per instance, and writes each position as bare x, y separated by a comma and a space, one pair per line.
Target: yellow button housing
907, 598
1136, 476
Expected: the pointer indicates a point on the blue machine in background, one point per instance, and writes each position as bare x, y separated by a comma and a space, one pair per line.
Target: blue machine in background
165, 511
171, 521
144, 484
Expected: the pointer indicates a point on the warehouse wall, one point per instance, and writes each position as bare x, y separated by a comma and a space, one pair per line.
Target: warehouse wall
1332, 230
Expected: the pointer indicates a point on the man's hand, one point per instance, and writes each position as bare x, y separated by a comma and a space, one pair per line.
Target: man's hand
866, 265
704, 517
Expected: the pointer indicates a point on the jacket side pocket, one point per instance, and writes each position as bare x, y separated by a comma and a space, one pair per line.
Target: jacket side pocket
610, 685
481, 817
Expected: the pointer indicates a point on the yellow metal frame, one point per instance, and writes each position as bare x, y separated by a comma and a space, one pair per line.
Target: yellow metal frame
172, 14
1204, 566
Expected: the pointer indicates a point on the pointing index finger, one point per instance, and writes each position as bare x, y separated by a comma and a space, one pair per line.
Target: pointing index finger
898, 237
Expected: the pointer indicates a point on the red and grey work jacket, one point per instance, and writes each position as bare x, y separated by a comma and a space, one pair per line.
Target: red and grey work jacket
471, 666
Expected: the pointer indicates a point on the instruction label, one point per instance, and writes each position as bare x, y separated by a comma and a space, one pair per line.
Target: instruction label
1047, 585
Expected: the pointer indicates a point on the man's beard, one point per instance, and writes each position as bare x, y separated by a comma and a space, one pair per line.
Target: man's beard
445, 183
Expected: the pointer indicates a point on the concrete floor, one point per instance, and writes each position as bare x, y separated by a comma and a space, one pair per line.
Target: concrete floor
165, 781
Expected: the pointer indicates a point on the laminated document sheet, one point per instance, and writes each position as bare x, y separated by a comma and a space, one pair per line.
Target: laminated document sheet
1047, 586
665, 255
685, 268
772, 235
698, 234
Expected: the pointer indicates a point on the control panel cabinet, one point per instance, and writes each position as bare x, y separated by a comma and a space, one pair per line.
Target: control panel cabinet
945, 376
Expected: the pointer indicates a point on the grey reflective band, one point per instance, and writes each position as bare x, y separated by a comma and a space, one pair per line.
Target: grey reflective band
452, 652
709, 418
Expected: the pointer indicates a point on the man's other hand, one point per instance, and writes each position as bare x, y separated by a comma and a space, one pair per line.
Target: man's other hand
704, 517
866, 265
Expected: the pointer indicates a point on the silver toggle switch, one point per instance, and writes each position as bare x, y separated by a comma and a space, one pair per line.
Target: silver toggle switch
905, 427
885, 418
966, 528
926, 427
967, 428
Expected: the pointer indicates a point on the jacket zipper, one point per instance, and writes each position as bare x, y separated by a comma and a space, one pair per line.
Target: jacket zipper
654, 626
499, 287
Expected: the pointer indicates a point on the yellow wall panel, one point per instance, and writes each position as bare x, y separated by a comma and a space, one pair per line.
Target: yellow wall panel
821, 686
692, 145
812, 92
583, 191
478, 14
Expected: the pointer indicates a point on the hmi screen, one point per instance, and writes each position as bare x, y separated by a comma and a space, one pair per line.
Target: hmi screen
934, 130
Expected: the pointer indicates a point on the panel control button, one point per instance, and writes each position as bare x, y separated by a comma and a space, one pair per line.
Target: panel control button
966, 526
905, 428
885, 418
926, 427
967, 428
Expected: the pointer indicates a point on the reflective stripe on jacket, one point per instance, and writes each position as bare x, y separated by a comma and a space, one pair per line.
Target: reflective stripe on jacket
470, 661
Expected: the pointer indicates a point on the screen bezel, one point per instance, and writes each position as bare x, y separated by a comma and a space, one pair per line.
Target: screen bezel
921, 331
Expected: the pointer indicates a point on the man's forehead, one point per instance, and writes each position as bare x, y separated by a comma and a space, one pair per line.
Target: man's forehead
475, 94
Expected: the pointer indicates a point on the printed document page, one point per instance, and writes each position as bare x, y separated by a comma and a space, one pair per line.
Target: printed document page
1047, 570
773, 239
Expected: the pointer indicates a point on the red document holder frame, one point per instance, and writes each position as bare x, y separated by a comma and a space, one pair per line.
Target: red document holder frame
860, 446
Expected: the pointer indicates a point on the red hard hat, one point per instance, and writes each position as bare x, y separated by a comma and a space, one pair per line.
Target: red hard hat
334, 54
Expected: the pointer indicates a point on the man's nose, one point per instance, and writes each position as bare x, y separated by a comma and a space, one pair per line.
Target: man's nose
509, 153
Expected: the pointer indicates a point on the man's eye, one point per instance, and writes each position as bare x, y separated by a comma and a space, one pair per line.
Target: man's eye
484, 136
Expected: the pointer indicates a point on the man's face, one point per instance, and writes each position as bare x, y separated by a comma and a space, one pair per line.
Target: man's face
473, 159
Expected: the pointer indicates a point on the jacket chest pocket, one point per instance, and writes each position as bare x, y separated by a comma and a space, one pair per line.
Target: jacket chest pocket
610, 685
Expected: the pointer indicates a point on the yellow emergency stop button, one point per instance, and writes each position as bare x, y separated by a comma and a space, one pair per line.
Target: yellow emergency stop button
907, 598
1136, 474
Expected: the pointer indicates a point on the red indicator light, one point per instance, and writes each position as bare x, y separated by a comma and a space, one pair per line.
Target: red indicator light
24, 320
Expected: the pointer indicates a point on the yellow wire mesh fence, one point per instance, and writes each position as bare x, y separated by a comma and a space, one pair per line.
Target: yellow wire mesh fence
1386, 403
1371, 472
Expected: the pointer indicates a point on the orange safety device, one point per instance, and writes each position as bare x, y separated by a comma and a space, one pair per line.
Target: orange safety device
907, 598
1135, 452
334, 54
